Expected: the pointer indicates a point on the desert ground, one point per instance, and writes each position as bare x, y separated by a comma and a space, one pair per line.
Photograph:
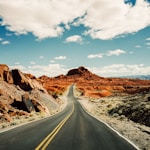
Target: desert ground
137, 133
101, 108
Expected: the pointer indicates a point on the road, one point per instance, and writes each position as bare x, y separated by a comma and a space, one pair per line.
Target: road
71, 129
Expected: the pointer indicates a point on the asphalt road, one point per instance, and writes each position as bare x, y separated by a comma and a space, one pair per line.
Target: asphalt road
71, 129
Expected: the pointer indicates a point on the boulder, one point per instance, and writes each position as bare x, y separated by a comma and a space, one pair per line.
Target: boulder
39, 107
28, 103
24, 82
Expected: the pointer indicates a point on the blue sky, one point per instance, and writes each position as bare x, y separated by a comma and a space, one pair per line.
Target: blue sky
50, 37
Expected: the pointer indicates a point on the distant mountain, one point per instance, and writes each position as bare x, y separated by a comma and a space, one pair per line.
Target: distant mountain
82, 72
142, 77
79, 71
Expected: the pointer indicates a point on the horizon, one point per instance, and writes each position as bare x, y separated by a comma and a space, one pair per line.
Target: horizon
108, 39
128, 76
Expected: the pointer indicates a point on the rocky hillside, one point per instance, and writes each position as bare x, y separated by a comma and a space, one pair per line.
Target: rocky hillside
21, 94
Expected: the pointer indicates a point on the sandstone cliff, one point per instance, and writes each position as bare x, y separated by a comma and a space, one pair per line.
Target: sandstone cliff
5, 74
21, 94
25, 82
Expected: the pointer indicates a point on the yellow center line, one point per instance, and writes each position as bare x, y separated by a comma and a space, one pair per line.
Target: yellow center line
43, 145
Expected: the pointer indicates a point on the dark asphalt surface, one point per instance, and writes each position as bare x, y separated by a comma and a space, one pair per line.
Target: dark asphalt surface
80, 132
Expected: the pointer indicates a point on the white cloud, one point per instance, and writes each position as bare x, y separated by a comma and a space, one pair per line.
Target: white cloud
41, 57
75, 39
95, 56
8, 34
138, 46
42, 18
131, 52
121, 70
52, 61
60, 58
107, 20
103, 19
32, 63
148, 39
50, 70
5, 42
20, 67
148, 44
17, 63
78, 21
116, 52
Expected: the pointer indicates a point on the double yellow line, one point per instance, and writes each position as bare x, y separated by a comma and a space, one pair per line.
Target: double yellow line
43, 145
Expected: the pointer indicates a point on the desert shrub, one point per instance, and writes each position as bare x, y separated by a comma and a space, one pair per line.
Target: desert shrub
139, 113
14, 123
109, 105
3, 126
55, 96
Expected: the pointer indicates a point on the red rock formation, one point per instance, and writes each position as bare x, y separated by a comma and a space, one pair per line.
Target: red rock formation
92, 85
22, 94
4, 70
25, 82
79, 71
5, 75
30, 76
